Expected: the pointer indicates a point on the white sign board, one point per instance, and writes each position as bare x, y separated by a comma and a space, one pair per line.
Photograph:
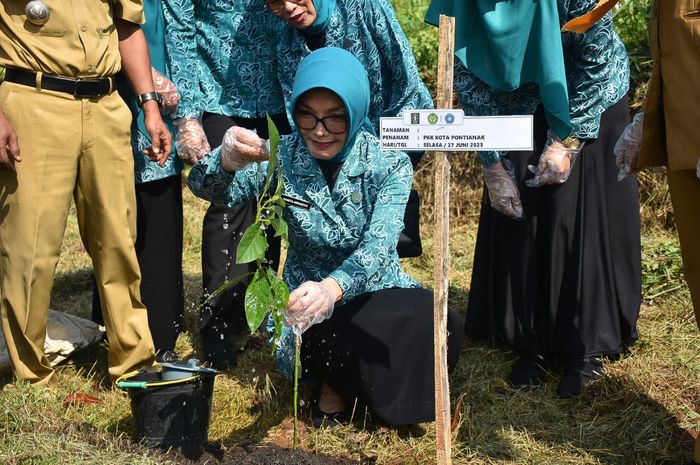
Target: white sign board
450, 130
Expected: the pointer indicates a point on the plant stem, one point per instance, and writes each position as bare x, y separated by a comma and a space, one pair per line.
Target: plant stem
297, 346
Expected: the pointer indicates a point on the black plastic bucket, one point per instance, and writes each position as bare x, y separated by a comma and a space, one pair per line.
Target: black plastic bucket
172, 415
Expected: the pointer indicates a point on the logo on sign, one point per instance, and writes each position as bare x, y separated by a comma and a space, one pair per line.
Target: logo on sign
449, 118
433, 118
415, 118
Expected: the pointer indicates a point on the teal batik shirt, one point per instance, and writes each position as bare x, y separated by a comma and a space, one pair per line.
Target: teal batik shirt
349, 234
369, 30
222, 57
146, 170
597, 74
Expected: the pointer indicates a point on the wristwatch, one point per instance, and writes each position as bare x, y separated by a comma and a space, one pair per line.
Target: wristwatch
145, 97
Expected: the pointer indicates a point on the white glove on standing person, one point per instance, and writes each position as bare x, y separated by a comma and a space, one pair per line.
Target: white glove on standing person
555, 164
166, 88
503, 192
191, 141
242, 147
309, 304
628, 145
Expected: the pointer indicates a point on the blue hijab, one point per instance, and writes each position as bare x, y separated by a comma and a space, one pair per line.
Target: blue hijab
324, 10
340, 72
509, 43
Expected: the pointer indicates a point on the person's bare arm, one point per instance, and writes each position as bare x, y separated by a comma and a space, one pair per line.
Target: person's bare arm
136, 64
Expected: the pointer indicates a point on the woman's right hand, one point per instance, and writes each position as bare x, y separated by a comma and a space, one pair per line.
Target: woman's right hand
242, 147
503, 192
191, 141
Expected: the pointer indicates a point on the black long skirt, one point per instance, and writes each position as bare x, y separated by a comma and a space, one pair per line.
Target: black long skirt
376, 351
567, 280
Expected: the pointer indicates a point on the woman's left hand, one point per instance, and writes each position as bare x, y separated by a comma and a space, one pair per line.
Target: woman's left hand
555, 164
311, 303
166, 88
628, 145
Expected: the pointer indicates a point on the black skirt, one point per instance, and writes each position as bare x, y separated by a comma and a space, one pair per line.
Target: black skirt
566, 280
376, 351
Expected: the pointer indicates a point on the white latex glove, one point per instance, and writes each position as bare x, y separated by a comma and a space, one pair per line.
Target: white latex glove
241, 147
555, 164
627, 147
166, 88
191, 141
309, 304
503, 192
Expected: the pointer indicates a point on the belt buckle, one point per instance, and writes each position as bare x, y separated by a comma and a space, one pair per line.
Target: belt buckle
87, 88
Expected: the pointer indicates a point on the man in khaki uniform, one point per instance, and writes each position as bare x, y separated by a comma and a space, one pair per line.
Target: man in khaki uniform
671, 127
64, 132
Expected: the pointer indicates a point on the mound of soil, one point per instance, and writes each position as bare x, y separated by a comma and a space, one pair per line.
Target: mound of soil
261, 454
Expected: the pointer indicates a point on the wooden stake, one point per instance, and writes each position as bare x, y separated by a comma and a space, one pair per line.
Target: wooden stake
442, 251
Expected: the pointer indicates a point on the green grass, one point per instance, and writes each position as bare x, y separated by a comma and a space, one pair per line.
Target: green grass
640, 414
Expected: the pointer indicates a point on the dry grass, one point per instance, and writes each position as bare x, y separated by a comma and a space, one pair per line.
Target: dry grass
642, 413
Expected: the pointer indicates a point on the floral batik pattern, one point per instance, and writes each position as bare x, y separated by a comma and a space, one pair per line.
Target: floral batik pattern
222, 57
369, 30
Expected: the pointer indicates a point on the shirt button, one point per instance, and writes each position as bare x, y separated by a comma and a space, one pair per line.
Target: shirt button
83, 28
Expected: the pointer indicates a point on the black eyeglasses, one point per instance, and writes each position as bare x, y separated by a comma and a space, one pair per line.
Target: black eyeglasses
335, 124
277, 5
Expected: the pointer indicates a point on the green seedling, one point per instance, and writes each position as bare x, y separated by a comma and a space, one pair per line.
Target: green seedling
267, 293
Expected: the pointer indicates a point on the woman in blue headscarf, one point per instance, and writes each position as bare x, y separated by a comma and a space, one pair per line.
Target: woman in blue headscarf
369, 30
369, 337
557, 269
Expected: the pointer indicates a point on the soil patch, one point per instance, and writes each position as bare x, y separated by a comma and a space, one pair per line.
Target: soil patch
260, 454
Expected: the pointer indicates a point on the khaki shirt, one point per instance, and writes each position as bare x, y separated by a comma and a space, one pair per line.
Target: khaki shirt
671, 136
79, 40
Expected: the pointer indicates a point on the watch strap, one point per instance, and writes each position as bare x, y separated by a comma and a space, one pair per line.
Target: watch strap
147, 96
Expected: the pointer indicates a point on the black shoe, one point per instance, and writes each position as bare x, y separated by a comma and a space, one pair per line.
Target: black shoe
528, 371
578, 373
167, 356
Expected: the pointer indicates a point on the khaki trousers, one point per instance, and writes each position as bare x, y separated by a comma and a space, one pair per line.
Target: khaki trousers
77, 148
685, 195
